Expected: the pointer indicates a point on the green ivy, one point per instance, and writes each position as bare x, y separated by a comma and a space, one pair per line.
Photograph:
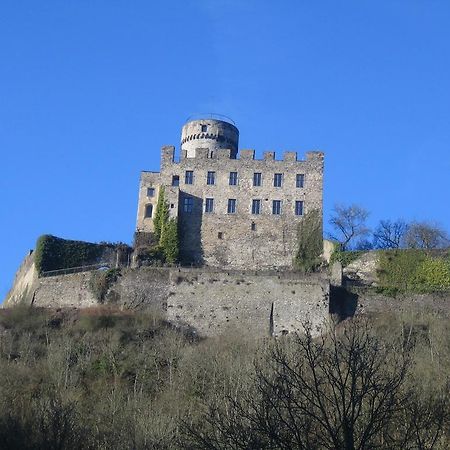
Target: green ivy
161, 214
310, 242
169, 241
54, 253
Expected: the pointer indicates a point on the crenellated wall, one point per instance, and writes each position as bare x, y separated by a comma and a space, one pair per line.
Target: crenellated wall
239, 240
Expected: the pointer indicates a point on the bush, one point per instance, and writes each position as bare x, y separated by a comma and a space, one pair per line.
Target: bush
101, 281
413, 270
345, 257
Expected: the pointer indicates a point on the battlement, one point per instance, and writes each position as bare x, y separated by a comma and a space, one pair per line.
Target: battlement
205, 153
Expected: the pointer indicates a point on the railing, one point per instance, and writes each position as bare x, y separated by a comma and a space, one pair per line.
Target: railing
52, 273
213, 116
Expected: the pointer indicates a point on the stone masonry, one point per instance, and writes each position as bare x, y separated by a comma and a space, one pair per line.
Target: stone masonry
234, 211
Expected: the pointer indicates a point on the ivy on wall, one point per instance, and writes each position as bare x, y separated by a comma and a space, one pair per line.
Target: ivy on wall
54, 253
166, 232
310, 242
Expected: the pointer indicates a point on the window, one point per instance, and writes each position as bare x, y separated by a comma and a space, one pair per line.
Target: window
148, 210
299, 208
231, 206
209, 205
189, 177
253, 226
277, 179
204, 128
256, 206
256, 179
175, 180
276, 207
233, 178
188, 204
300, 180
211, 178
219, 235
150, 192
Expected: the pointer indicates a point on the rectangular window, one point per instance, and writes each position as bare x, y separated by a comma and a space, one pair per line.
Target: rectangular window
148, 210
211, 178
299, 208
189, 177
188, 204
277, 179
233, 178
204, 128
300, 180
209, 205
150, 192
276, 207
256, 206
175, 180
231, 206
256, 179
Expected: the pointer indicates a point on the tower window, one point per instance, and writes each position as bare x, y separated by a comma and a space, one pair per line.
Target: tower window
276, 207
231, 206
256, 206
175, 180
211, 178
253, 226
150, 192
188, 204
148, 210
257, 179
219, 235
300, 180
189, 177
233, 178
204, 128
209, 205
277, 179
299, 208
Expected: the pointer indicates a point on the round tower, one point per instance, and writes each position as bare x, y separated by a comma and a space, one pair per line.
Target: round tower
211, 133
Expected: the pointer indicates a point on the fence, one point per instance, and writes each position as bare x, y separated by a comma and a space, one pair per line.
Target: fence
52, 273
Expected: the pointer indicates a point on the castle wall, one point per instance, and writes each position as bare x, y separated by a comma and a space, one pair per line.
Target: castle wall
213, 302
206, 300
240, 240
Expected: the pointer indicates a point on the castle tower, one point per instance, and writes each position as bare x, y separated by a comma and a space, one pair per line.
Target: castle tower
211, 133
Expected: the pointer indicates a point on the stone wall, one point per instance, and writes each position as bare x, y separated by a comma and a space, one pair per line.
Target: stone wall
206, 300
241, 240
25, 282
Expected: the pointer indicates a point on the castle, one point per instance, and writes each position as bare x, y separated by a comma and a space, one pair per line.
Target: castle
233, 210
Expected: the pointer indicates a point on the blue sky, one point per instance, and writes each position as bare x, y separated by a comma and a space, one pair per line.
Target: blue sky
90, 91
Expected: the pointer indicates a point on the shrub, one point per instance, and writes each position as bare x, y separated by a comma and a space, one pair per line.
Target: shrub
345, 257
161, 214
101, 281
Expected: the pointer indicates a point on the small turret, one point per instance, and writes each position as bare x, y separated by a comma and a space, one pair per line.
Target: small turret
209, 133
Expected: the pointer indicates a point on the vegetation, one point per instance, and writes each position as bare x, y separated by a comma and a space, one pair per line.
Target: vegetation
161, 214
101, 280
310, 243
54, 253
104, 379
166, 235
414, 271
349, 224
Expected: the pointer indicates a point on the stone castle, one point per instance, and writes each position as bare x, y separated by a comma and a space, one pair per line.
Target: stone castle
238, 219
233, 210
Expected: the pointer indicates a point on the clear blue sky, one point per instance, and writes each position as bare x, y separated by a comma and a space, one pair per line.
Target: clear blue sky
90, 91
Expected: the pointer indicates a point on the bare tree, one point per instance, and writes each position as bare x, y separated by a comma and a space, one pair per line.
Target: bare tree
349, 223
341, 391
426, 235
390, 234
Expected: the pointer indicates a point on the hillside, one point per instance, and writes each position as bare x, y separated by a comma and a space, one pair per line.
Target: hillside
105, 379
